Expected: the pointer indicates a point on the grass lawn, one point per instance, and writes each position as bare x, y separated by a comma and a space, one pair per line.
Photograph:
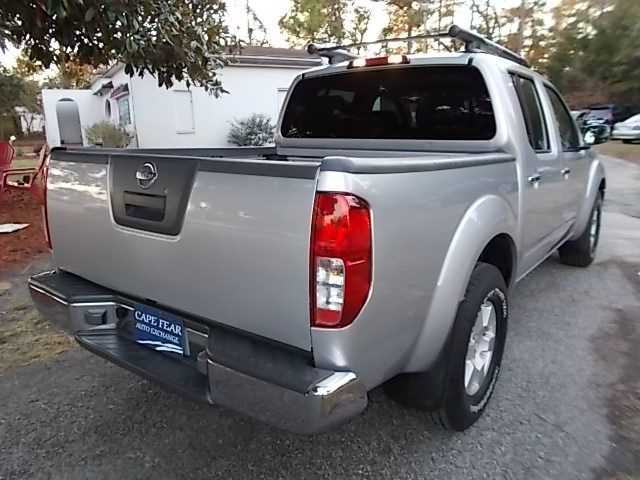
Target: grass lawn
25, 162
626, 151
27, 338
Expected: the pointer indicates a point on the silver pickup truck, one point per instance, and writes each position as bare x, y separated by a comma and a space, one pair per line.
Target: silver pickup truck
376, 244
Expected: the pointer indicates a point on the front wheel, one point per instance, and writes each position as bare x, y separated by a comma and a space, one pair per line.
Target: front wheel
582, 251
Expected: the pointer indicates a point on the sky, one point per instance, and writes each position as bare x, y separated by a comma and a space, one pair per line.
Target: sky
270, 11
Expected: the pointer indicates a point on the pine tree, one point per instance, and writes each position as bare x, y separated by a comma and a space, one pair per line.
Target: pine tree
525, 30
485, 19
405, 18
570, 35
613, 54
318, 21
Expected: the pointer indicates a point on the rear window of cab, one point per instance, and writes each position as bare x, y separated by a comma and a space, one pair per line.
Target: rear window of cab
416, 102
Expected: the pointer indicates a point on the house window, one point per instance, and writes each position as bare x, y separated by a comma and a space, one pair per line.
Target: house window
123, 110
183, 111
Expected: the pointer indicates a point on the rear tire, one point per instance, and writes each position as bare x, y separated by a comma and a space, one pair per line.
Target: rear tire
477, 339
582, 251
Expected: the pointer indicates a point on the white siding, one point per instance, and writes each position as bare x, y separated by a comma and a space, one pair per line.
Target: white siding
183, 111
282, 95
179, 117
90, 108
251, 90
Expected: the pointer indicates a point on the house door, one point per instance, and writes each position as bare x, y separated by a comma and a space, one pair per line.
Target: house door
68, 122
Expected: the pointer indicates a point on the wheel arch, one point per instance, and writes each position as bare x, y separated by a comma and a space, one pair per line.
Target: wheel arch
501, 253
485, 230
596, 183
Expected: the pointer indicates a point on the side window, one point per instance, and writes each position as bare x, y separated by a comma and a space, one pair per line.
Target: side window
532, 111
568, 131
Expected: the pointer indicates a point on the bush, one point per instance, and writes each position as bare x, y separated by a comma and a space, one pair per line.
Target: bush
253, 131
108, 134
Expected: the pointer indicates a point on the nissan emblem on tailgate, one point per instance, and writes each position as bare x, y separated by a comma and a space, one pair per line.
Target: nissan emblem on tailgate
147, 175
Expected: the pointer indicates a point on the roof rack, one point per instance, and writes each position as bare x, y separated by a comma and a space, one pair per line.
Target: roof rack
473, 42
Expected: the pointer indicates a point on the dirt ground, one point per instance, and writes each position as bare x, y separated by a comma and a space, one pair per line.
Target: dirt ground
626, 151
25, 337
19, 248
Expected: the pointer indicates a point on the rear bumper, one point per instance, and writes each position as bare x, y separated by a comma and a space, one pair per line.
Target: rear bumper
269, 382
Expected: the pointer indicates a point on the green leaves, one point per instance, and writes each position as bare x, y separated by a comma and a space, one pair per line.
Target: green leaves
253, 131
171, 39
109, 135
595, 52
316, 21
11, 91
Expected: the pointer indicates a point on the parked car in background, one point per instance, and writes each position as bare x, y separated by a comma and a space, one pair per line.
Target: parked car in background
580, 116
597, 127
612, 114
627, 131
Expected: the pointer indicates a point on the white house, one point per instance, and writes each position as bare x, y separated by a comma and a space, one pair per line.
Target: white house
257, 81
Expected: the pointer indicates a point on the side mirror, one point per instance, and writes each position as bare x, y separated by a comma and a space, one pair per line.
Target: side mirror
590, 137
594, 137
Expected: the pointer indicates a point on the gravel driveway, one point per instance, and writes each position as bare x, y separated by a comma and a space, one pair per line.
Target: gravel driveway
567, 404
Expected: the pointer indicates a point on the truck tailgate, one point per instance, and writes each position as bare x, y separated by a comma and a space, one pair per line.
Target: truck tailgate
223, 239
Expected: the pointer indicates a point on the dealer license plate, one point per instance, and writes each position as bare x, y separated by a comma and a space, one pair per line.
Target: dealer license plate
159, 330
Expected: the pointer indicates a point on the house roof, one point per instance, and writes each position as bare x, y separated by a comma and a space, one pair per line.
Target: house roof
247, 56
275, 52
104, 86
120, 90
276, 57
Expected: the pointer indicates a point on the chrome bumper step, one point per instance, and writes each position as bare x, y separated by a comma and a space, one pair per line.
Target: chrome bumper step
179, 375
268, 381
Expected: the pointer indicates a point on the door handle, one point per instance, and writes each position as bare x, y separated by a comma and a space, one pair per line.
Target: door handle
534, 180
565, 173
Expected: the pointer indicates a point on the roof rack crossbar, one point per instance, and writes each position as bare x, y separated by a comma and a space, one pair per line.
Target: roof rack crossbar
473, 42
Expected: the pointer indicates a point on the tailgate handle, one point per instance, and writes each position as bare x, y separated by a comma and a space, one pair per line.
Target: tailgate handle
145, 206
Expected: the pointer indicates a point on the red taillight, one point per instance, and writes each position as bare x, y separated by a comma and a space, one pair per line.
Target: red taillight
340, 259
45, 219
